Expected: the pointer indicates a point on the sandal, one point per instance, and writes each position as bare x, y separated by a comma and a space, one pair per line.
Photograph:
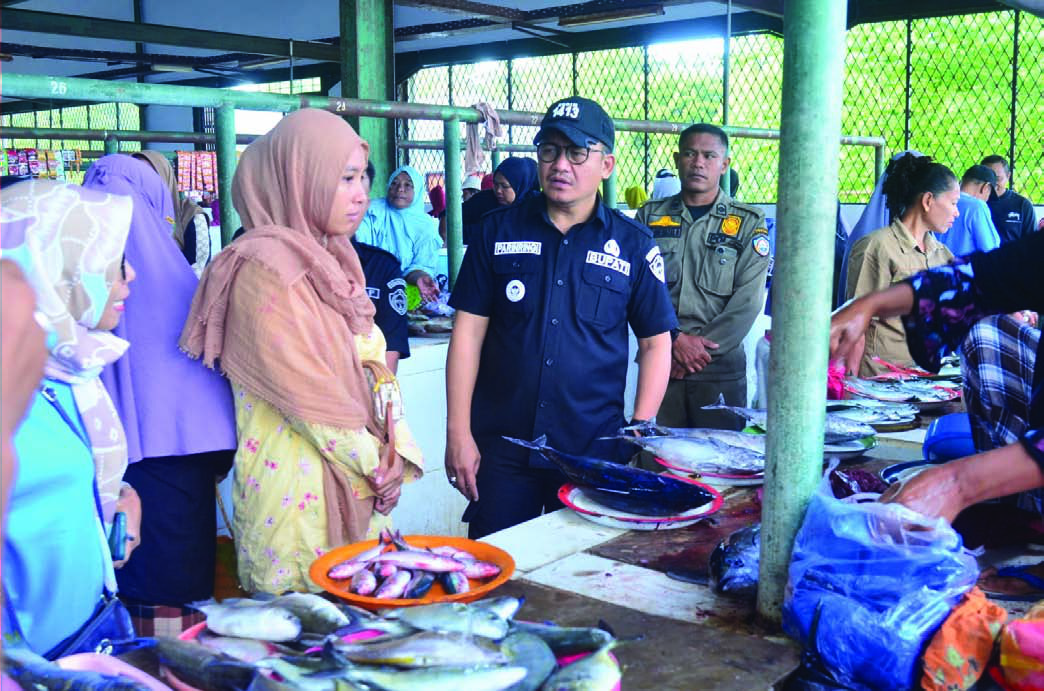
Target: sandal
1021, 573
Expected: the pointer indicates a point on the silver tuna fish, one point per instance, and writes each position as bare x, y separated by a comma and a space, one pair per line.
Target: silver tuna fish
250, 619
836, 429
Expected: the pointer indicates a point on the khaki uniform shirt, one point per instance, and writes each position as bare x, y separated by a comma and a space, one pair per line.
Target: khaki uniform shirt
886, 256
715, 271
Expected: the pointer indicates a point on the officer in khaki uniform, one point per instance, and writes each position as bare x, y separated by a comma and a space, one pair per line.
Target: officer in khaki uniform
715, 259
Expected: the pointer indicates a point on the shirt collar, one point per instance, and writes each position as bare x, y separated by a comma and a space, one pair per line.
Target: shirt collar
538, 209
906, 240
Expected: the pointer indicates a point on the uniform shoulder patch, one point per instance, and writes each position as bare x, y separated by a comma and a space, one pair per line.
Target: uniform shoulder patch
761, 230
760, 244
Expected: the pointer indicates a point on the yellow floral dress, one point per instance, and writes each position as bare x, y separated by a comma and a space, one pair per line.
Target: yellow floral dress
280, 515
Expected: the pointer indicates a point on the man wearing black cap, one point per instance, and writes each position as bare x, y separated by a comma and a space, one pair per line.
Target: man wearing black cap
544, 299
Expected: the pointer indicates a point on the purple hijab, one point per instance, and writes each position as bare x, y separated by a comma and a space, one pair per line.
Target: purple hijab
170, 405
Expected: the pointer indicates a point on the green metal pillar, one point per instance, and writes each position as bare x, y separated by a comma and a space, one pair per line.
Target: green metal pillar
367, 71
225, 130
497, 157
813, 56
454, 198
112, 145
609, 190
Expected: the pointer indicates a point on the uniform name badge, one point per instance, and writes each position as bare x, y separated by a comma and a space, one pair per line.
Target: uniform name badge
516, 248
731, 225
515, 291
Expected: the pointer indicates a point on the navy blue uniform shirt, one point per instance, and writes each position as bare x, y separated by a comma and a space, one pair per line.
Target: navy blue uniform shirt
554, 359
387, 289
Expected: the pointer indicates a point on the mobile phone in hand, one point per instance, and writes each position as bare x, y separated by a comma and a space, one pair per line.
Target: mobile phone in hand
118, 536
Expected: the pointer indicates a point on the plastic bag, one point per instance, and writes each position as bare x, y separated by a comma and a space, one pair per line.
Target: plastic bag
885, 578
734, 562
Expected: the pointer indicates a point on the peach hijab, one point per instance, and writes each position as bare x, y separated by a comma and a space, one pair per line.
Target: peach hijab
283, 189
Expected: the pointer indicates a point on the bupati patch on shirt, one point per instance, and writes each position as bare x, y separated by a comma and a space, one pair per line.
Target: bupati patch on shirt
731, 225
609, 262
516, 248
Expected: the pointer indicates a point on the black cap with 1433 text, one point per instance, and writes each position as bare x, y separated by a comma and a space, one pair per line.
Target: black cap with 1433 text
580, 120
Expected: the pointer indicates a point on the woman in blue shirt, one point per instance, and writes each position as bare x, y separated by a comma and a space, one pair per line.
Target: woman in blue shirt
71, 448
398, 224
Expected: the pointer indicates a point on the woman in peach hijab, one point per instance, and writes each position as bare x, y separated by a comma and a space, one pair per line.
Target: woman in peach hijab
283, 312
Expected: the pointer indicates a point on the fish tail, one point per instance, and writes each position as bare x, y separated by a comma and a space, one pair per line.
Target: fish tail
720, 405
539, 443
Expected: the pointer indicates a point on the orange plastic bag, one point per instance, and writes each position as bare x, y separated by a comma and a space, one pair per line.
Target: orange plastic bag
958, 653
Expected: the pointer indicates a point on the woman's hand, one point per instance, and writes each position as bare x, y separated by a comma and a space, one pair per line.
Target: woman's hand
847, 327
428, 288
130, 504
387, 481
934, 492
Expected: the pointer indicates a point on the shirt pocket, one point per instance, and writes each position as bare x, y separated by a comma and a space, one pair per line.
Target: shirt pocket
516, 278
670, 250
718, 270
603, 295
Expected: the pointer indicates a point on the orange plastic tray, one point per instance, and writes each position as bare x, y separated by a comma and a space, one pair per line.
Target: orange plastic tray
479, 588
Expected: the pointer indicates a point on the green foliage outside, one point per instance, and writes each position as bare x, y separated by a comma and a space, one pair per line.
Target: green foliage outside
960, 97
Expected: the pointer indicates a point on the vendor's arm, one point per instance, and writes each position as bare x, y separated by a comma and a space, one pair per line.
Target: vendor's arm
427, 286
946, 490
423, 266
850, 322
654, 366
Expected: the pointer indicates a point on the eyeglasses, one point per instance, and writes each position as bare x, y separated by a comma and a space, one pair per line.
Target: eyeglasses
549, 153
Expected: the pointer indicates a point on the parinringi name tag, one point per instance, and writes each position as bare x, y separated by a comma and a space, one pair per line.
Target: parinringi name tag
516, 248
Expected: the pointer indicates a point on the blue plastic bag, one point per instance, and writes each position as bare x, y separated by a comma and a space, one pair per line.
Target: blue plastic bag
884, 577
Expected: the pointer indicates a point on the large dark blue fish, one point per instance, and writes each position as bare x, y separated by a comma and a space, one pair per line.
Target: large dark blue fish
632, 489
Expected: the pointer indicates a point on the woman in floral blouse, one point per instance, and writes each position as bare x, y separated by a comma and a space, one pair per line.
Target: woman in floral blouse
284, 312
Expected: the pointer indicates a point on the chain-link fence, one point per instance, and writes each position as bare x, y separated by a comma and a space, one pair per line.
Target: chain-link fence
957, 88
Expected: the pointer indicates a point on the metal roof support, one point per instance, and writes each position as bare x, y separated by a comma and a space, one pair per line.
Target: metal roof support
122, 135
813, 60
188, 37
367, 71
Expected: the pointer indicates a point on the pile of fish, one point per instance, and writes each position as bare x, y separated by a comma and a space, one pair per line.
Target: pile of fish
447, 646
909, 391
836, 430
395, 569
727, 452
872, 412
623, 487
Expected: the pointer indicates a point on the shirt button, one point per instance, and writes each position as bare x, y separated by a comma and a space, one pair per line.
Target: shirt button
566, 241
608, 279
554, 321
722, 260
542, 404
515, 264
549, 362
560, 282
